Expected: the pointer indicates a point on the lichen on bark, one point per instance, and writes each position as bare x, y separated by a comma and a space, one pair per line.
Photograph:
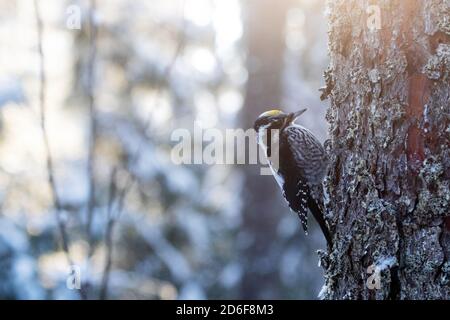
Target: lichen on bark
388, 182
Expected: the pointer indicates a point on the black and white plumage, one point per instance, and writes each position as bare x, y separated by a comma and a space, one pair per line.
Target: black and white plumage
298, 162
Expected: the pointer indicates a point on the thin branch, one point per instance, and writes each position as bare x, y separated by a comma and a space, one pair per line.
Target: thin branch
109, 234
107, 271
92, 124
43, 124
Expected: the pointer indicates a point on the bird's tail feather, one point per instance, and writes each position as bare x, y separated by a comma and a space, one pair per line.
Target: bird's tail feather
318, 215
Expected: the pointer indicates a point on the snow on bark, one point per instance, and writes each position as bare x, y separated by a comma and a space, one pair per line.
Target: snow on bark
389, 127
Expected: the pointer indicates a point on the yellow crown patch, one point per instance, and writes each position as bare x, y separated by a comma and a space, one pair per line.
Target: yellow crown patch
271, 113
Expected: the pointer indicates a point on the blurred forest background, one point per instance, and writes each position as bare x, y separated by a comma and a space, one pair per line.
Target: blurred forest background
137, 225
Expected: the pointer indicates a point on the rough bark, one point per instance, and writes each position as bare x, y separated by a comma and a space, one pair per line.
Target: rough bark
388, 183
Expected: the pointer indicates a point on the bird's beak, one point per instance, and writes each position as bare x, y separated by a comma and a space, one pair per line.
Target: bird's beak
297, 114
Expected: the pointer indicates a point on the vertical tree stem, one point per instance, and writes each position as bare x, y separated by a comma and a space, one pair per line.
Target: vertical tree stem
43, 125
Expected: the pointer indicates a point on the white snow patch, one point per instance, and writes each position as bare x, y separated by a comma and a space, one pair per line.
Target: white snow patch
385, 263
325, 289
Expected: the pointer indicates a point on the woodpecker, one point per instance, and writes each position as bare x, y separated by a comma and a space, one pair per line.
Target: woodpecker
302, 163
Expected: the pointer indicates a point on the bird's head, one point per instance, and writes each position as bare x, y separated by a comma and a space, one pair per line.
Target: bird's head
275, 119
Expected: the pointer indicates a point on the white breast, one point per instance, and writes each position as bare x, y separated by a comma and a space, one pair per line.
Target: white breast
262, 140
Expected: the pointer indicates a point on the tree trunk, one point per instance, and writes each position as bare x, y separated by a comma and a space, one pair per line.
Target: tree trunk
265, 21
388, 183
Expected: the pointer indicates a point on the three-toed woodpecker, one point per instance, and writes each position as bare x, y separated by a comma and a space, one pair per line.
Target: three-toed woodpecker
302, 163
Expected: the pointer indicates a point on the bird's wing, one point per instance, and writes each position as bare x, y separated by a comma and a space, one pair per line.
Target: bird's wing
303, 164
295, 187
296, 194
308, 153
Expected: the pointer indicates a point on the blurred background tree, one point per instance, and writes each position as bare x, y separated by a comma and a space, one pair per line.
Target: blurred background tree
180, 231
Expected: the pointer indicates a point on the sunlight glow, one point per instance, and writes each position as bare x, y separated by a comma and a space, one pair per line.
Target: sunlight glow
202, 60
230, 101
227, 23
206, 111
198, 12
295, 24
